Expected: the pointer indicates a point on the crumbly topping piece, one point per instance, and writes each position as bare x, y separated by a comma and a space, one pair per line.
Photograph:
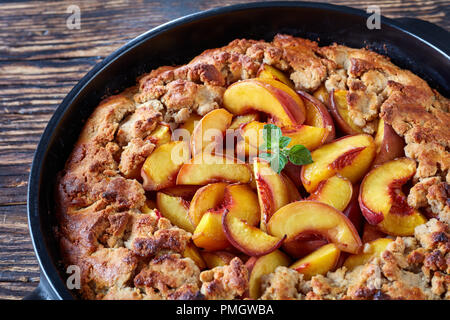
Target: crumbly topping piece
306, 67
225, 282
133, 157
102, 125
138, 125
282, 284
432, 195
422, 119
366, 75
108, 267
169, 276
123, 293
149, 236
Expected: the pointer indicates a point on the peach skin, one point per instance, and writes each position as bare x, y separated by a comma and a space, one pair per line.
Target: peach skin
303, 217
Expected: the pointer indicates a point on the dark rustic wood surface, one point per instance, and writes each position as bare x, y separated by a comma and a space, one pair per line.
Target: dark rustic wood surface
41, 60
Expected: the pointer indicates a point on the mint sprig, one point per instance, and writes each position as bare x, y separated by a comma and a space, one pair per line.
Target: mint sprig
276, 151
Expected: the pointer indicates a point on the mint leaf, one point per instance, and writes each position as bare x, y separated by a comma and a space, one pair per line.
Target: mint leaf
263, 147
271, 128
279, 163
271, 136
299, 155
267, 156
276, 151
284, 142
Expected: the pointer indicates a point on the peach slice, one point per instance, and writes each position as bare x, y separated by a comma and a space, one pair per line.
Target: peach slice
151, 203
238, 199
293, 171
210, 130
193, 253
161, 167
148, 206
303, 217
209, 234
293, 194
272, 190
206, 198
190, 123
320, 261
317, 115
335, 191
353, 212
244, 149
252, 136
342, 257
310, 137
248, 239
371, 233
206, 168
303, 245
350, 156
242, 202
322, 94
268, 72
185, 192
238, 121
217, 258
175, 209
161, 135
389, 144
371, 250
270, 96
382, 201
339, 110
260, 266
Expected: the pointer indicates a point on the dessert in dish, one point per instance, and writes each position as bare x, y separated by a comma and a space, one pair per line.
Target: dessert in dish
263, 170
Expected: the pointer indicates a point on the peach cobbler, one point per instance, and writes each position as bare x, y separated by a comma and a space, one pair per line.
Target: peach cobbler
263, 170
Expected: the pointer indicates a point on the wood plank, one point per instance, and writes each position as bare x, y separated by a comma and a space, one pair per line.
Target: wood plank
37, 87
106, 26
16, 290
30, 91
17, 258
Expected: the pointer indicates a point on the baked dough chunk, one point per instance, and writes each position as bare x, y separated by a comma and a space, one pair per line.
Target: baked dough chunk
149, 236
283, 284
367, 75
108, 267
169, 276
225, 282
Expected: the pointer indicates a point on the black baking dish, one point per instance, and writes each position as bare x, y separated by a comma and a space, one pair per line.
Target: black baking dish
413, 44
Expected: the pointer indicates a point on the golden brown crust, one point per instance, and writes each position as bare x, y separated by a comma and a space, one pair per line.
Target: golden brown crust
125, 254
169, 276
281, 285
226, 282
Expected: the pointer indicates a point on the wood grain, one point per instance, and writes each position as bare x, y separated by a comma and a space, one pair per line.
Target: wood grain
41, 60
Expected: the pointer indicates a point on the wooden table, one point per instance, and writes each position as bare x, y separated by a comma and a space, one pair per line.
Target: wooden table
41, 60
